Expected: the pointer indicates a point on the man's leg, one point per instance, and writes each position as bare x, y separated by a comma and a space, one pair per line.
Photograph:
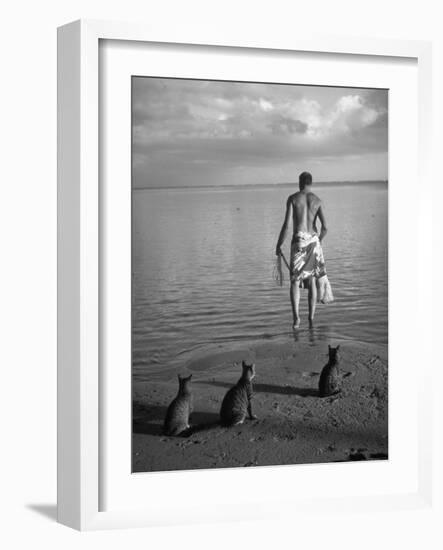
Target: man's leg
312, 298
295, 301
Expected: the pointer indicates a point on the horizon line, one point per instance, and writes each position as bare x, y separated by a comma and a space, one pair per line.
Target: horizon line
243, 185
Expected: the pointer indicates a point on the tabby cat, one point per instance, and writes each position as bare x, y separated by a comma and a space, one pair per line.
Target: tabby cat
237, 401
179, 411
329, 383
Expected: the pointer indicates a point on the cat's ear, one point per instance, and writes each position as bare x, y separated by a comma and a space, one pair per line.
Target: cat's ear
329, 346
338, 347
179, 377
243, 364
189, 377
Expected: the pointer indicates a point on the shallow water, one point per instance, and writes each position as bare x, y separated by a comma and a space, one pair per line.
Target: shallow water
203, 263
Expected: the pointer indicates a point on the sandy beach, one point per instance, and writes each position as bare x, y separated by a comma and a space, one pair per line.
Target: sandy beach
294, 425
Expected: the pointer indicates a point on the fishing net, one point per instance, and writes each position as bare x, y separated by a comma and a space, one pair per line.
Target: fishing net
278, 270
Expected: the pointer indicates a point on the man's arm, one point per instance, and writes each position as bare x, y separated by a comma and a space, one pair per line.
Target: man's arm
284, 228
321, 217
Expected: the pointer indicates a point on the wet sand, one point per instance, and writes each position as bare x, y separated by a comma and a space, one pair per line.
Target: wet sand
294, 425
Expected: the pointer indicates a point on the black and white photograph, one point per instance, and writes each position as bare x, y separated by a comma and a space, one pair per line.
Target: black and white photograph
259, 274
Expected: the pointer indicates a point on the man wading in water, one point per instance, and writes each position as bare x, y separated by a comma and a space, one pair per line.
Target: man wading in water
307, 263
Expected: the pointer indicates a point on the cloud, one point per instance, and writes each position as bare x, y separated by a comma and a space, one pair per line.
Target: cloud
284, 125
204, 131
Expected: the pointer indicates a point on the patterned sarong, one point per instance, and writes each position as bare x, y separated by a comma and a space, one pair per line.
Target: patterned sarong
307, 261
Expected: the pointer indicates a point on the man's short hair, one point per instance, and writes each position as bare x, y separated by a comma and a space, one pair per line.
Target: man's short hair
304, 179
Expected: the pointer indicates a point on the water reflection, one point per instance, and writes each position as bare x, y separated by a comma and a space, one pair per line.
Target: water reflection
313, 335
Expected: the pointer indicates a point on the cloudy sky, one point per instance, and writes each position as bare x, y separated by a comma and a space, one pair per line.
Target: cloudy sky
192, 132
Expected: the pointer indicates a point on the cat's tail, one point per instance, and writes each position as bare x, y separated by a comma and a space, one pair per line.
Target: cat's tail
329, 394
170, 431
233, 420
177, 431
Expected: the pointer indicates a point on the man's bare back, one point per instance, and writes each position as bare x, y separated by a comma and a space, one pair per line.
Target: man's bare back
305, 209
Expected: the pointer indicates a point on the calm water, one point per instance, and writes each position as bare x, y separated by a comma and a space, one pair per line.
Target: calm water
203, 264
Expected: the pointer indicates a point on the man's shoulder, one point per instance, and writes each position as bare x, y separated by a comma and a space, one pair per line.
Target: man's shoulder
314, 198
300, 197
294, 196
291, 199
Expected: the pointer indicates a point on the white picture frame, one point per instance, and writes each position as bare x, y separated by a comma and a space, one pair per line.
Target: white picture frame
79, 294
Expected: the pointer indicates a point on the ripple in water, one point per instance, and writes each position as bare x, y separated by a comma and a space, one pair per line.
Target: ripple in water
203, 261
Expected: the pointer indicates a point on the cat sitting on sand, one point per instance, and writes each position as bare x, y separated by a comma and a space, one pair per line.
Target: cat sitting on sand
180, 409
237, 401
329, 383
